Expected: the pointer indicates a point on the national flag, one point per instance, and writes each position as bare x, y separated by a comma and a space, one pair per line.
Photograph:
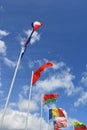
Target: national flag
60, 122
36, 25
56, 112
37, 73
79, 126
48, 98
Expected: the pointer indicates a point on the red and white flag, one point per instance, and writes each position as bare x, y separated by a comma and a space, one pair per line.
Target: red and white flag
60, 123
36, 25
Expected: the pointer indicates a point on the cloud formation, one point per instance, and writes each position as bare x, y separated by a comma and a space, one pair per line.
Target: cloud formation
3, 33
2, 48
61, 77
9, 63
82, 100
35, 37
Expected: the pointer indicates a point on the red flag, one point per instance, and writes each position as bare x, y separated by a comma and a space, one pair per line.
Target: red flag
36, 25
37, 73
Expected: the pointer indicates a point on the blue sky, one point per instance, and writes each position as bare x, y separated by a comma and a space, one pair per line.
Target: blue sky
61, 40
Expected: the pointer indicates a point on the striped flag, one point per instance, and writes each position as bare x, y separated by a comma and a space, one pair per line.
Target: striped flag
56, 112
35, 26
79, 126
48, 98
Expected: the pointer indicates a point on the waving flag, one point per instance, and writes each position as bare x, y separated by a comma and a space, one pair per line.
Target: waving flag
35, 26
38, 72
60, 123
79, 126
48, 98
56, 112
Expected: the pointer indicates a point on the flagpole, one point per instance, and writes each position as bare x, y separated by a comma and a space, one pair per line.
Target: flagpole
41, 113
14, 76
48, 118
11, 86
26, 123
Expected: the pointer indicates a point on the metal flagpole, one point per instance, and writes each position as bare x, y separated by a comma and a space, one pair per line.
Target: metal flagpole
26, 123
48, 118
41, 113
14, 76
11, 86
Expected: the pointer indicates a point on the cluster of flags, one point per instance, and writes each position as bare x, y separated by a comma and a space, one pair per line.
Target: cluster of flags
60, 120
58, 114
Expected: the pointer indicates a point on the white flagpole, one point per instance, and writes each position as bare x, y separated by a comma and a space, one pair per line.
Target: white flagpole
41, 113
26, 123
11, 86
48, 118
14, 76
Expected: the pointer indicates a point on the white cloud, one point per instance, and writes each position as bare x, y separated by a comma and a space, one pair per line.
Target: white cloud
35, 37
81, 100
84, 78
25, 90
16, 120
59, 80
0, 77
3, 33
23, 104
2, 47
22, 40
59, 65
9, 62
13, 120
35, 62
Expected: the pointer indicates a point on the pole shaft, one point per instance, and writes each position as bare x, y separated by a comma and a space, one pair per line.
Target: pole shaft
41, 113
11, 87
48, 118
26, 125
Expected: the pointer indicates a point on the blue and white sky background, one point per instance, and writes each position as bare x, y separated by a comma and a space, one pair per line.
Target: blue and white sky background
62, 40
